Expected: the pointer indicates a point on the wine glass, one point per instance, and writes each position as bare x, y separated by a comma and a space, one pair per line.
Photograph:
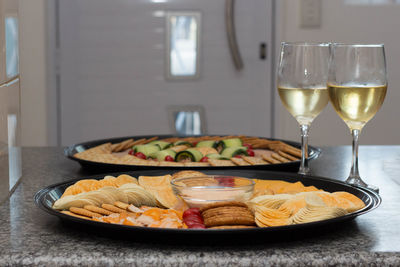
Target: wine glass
302, 77
357, 86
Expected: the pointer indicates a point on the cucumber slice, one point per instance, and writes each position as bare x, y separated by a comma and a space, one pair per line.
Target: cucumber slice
208, 143
215, 156
232, 142
182, 143
146, 149
160, 155
192, 154
161, 144
230, 152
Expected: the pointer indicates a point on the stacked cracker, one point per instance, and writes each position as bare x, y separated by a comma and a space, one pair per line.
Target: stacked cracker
227, 215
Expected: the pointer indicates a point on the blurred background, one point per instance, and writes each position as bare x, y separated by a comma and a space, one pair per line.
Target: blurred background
93, 69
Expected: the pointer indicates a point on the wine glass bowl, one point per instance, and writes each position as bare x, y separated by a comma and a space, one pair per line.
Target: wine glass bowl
357, 86
302, 79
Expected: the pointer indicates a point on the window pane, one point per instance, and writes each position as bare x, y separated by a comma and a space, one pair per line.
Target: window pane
12, 67
183, 44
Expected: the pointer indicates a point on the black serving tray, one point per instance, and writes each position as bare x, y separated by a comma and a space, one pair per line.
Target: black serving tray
45, 198
69, 152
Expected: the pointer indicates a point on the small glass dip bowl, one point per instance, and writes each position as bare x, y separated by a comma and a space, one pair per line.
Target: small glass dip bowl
204, 190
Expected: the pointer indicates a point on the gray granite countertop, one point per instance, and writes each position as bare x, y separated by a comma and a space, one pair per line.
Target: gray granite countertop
29, 236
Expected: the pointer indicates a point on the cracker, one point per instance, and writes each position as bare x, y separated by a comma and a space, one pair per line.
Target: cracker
228, 220
286, 155
160, 188
240, 161
121, 146
75, 215
232, 210
125, 179
151, 140
98, 210
254, 160
223, 204
280, 158
112, 208
232, 227
270, 159
84, 212
138, 142
121, 205
292, 151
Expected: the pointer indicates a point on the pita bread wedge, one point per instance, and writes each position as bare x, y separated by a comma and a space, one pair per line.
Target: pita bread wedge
105, 158
196, 164
170, 163
89, 153
183, 174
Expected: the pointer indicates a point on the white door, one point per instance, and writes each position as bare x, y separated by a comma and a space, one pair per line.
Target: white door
113, 78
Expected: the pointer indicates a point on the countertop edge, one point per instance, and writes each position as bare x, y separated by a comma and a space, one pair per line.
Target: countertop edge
314, 259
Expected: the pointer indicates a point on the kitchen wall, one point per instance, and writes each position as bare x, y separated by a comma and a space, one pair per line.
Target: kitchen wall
346, 23
339, 22
33, 56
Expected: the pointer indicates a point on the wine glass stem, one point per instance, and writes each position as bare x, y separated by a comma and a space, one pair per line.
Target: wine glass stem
354, 162
304, 150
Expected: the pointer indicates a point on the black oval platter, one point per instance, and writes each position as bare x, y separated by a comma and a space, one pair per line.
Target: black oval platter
69, 152
45, 198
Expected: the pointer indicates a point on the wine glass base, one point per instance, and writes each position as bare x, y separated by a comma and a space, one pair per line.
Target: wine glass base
304, 171
358, 182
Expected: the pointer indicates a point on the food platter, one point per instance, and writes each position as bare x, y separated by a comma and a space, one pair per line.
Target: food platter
46, 197
71, 152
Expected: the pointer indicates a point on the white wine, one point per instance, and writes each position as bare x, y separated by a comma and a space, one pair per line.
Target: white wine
356, 105
304, 104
